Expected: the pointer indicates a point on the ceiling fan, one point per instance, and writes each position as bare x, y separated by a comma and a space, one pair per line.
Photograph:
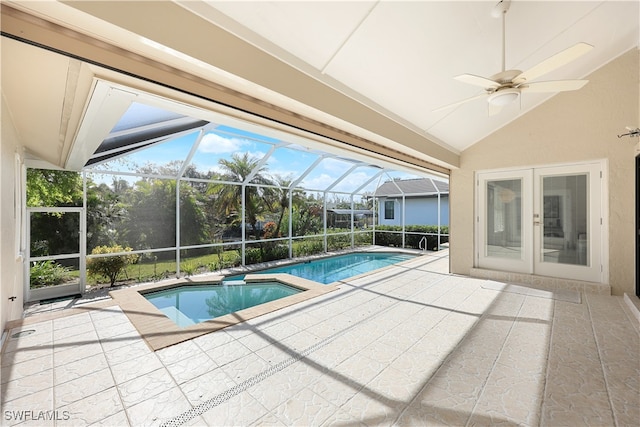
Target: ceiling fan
505, 87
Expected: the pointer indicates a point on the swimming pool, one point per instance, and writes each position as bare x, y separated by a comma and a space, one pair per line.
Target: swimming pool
162, 326
335, 268
191, 304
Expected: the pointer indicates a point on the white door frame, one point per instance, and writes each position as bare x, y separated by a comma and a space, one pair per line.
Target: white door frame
58, 290
523, 263
593, 245
598, 222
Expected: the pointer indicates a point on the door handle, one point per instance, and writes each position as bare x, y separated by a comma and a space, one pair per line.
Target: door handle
536, 219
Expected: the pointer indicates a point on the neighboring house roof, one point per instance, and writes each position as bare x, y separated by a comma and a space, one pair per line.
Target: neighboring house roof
409, 187
348, 211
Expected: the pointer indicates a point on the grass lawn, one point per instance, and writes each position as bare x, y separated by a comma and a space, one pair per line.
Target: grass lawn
147, 270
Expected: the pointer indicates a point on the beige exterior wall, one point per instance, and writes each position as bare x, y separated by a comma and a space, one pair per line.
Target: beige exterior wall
10, 266
570, 127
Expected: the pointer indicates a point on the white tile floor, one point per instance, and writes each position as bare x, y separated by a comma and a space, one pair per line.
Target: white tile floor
406, 346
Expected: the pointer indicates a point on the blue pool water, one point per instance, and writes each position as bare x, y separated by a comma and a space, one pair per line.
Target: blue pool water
191, 304
333, 269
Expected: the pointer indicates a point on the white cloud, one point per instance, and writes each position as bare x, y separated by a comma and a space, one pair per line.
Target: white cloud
215, 169
216, 144
272, 160
349, 184
353, 181
285, 173
256, 155
335, 165
399, 175
319, 182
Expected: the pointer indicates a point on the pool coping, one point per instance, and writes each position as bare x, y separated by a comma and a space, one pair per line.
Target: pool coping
257, 268
158, 331
381, 269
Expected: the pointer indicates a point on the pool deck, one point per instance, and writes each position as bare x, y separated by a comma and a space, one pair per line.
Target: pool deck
409, 345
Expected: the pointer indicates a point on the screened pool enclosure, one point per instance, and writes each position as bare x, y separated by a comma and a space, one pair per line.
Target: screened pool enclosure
168, 192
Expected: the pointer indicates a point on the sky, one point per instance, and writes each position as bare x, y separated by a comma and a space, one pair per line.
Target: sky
287, 161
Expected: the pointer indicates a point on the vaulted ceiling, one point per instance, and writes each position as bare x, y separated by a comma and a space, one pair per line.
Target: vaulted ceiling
374, 69
400, 57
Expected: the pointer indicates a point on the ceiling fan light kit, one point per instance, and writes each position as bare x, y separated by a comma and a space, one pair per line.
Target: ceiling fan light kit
503, 97
506, 86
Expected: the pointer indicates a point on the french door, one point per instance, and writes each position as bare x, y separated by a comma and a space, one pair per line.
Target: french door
545, 221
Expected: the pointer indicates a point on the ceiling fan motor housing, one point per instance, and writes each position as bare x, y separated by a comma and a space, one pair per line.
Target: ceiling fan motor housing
506, 79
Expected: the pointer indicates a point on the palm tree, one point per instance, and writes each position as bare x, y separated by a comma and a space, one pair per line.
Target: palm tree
281, 197
229, 196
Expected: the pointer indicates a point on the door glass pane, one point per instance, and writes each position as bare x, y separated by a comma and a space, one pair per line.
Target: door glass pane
564, 220
504, 219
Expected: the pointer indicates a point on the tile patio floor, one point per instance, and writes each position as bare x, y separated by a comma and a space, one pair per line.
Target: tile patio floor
410, 345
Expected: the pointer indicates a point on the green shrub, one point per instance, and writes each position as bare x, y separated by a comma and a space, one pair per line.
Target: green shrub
388, 239
340, 241
277, 252
252, 256
308, 247
411, 240
110, 267
234, 260
188, 268
214, 266
47, 273
363, 239
267, 252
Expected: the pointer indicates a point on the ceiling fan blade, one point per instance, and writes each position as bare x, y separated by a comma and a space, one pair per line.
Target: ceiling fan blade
553, 86
556, 61
455, 104
483, 82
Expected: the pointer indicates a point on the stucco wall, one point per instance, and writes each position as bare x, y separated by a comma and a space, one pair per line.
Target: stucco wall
570, 127
10, 266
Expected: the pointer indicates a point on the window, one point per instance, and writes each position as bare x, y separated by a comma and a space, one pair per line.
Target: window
388, 209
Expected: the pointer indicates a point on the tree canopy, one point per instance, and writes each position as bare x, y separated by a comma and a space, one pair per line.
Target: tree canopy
142, 214
53, 188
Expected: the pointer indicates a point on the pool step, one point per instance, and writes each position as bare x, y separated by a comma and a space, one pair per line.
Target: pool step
177, 316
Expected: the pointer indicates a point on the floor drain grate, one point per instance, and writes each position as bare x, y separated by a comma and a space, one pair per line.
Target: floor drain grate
233, 391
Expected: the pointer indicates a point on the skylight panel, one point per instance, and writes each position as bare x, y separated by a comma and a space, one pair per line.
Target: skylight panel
140, 115
239, 133
160, 158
